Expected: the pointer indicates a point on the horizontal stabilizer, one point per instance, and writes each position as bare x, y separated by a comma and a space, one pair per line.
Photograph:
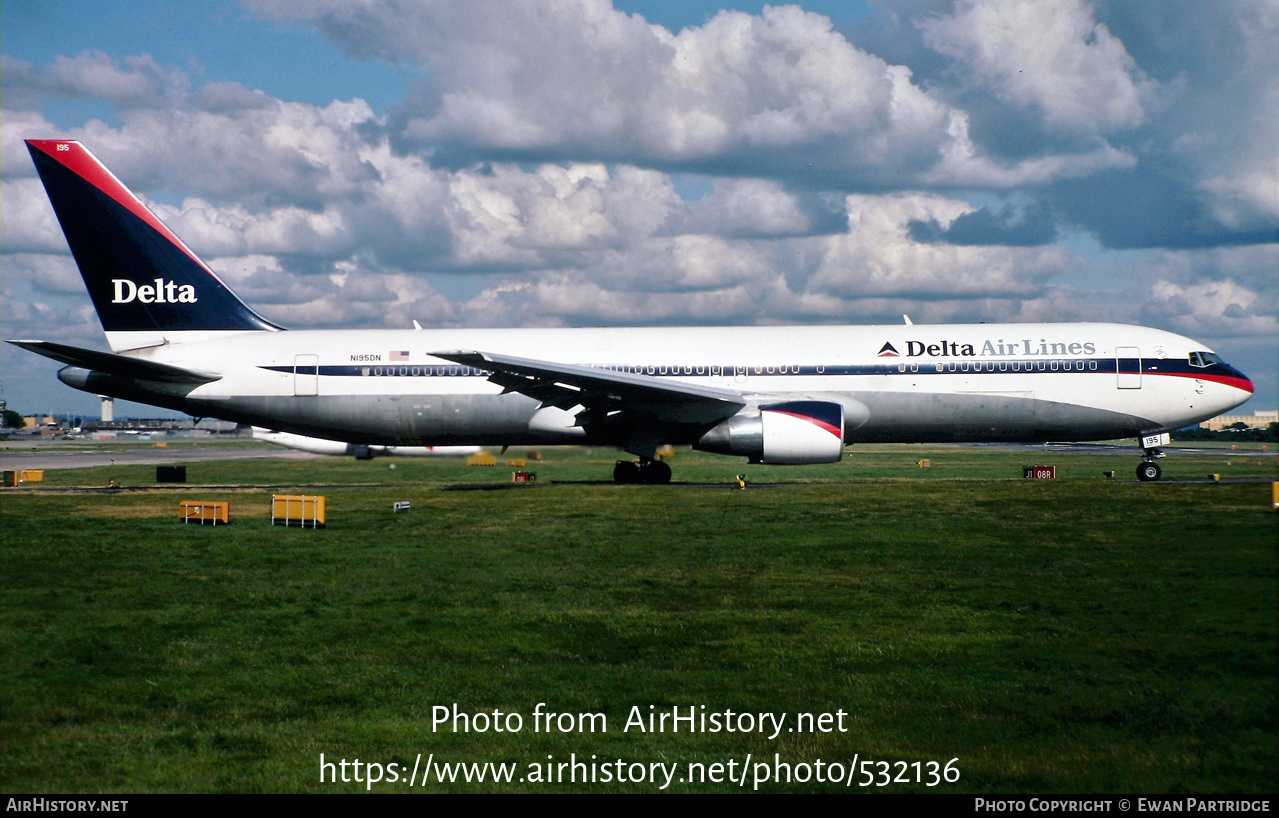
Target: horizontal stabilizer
113, 364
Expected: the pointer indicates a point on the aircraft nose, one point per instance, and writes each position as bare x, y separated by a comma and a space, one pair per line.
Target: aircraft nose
1242, 381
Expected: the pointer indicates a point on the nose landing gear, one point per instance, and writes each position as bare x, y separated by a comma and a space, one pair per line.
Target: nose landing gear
1148, 470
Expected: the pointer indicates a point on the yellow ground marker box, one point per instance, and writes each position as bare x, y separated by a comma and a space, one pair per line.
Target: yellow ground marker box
302, 510
205, 512
20, 476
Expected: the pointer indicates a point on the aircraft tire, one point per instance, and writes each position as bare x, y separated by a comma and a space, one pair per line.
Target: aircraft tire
626, 472
1148, 472
655, 472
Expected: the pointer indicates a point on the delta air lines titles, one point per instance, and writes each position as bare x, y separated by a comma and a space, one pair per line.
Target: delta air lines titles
955, 349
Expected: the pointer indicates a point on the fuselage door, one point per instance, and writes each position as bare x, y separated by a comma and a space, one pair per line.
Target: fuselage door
1128, 367
306, 375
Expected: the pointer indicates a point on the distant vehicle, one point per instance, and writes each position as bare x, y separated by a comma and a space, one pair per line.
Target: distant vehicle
182, 340
360, 451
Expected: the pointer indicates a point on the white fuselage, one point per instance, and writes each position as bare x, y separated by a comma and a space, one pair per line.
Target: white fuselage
1028, 382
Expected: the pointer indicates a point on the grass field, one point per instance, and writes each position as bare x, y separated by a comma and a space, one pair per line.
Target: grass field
1075, 635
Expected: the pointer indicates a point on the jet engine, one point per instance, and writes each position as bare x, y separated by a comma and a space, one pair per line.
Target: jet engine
790, 433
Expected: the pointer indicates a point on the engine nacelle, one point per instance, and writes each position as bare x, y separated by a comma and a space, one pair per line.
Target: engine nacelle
790, 433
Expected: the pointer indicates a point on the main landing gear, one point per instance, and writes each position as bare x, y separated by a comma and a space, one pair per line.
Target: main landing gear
645, 471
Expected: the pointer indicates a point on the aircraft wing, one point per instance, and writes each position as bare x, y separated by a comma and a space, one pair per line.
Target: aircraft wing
123, 365
605, 394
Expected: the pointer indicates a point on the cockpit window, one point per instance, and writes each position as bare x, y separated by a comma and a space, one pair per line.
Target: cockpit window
1202, 359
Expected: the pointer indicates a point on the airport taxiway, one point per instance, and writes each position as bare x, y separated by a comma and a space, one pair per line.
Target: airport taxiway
19, 454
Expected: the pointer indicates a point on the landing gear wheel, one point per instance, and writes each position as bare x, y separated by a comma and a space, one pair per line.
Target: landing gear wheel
626, 472
1148, 472
655, 472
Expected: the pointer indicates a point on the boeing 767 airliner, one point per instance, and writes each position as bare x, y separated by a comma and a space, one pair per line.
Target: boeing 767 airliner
180, 339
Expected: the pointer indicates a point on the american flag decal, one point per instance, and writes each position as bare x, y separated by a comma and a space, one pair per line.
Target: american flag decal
399, 355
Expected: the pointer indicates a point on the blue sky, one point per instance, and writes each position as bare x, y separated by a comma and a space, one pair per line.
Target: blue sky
207, 38
497, 163
223, 40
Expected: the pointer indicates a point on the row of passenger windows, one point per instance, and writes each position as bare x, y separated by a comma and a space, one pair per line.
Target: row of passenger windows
1007, 366
416, 371
659, 369
950, 366
962, 366
633, 369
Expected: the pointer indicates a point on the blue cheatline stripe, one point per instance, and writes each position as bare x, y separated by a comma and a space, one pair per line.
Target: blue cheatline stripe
1096, 366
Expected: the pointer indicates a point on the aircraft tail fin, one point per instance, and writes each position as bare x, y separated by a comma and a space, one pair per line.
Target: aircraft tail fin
146, 285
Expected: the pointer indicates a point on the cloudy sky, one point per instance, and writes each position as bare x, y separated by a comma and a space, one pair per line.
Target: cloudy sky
581, 162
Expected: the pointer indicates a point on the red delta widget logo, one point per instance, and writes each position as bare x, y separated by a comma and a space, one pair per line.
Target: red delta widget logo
954, 349
161, 292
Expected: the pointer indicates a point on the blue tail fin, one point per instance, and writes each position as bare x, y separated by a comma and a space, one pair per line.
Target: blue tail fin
142, 278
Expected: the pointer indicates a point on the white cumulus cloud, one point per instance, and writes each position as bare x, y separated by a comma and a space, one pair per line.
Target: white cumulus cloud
1051, 55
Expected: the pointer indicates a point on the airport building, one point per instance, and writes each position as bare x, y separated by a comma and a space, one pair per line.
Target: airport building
60, 426
1257, 420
